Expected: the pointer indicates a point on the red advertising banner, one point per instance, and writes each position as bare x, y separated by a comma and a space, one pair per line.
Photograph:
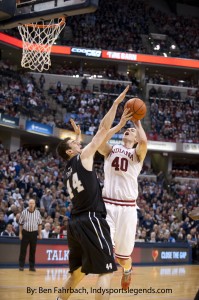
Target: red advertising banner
151, 59
52, 254
10, 40
61, 50
170, 61
119, 55
18, 43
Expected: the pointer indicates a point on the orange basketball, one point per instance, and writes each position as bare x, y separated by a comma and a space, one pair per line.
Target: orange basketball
137, 107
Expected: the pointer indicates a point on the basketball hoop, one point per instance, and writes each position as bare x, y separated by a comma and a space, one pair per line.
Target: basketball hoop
37, 43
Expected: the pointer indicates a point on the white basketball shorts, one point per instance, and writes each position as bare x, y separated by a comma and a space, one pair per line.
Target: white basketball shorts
123, 222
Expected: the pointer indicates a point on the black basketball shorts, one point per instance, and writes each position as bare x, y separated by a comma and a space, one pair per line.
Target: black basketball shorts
90, 244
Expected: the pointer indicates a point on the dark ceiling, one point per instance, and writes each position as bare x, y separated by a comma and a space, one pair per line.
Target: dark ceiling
188, 2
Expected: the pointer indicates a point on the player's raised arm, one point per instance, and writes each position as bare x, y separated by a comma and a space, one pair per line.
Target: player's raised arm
108, 119
105, 125
141, 148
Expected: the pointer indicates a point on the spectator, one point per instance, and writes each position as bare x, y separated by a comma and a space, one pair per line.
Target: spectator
143, 236
55, 233
42, 81
46, 231
180, 238
30, 87
84, 83
46, 200
8, 231
168, 238
15, 224
2, 222
148, 224
59, 87
152, 237
63, 231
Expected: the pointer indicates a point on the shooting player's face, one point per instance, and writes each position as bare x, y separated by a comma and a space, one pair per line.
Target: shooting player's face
130, 135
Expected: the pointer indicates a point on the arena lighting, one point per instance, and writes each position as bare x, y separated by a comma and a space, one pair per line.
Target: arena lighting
157, 47
173, 47
165, 55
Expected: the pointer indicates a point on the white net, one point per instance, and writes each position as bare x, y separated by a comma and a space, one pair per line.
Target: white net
38, 39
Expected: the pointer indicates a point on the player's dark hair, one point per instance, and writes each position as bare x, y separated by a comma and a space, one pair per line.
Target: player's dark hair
62, 147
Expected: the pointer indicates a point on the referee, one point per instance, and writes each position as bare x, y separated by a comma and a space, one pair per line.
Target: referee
30, 225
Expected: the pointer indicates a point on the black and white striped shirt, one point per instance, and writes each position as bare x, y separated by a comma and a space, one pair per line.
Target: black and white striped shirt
30, 220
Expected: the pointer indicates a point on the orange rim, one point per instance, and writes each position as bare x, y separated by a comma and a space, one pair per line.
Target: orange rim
45, 26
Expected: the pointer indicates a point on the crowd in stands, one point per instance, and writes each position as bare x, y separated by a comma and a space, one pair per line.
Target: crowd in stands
183, 30
119, 25
174, 117
162, 79
184, 172
106, 73
114, 26
20, 96
25, 174
31, 174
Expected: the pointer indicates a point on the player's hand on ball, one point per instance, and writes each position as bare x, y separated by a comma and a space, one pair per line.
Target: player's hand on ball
137, 107
126, 116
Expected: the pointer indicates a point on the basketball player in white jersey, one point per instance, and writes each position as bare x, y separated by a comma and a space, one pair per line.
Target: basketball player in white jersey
122, 166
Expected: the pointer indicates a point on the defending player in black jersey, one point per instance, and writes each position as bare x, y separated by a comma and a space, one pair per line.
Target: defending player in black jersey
88, 232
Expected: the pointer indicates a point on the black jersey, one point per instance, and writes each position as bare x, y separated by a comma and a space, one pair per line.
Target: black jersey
84, 188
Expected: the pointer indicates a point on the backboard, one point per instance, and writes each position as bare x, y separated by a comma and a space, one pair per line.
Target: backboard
29, 11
